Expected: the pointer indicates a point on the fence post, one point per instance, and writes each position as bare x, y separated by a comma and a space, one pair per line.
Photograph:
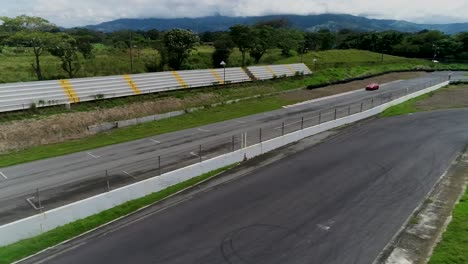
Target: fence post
39, 200
362, 105
282, 129
260, 135
372, 102
200, 153
320, 117
159, 165
244, 140
107, 179
335, 113
302, 123
233, 143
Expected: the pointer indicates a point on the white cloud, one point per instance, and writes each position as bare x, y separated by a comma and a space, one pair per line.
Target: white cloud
83, 12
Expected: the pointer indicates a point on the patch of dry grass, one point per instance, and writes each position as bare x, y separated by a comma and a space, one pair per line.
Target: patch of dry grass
20, 135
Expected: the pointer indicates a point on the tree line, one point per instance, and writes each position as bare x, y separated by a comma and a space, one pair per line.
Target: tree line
174, 46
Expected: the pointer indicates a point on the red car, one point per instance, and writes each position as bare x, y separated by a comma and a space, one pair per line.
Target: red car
372, 87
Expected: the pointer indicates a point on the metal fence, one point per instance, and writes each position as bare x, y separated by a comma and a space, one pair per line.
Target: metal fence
158, 164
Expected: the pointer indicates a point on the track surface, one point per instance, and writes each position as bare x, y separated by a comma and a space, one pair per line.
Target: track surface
65, 179
339, 202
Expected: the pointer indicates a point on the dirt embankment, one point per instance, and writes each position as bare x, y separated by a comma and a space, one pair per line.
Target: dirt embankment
454, 96
19, 135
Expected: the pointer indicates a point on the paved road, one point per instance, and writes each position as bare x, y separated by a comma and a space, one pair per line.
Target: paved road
72, 177
338, 202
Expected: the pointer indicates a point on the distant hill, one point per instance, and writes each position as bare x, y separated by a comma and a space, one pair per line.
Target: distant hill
310, 23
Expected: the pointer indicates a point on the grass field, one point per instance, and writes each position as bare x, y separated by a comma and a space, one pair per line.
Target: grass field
405, 108
453, 96
27, 247
453, 249
15, 64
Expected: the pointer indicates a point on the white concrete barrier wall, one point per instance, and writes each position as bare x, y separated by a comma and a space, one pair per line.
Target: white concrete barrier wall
35, 225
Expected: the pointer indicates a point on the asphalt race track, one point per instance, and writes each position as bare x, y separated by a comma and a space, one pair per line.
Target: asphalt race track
69, 178
337, 202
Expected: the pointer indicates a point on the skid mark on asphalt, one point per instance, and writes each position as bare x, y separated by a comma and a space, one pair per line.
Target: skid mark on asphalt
126, 173
326, 226
92, 155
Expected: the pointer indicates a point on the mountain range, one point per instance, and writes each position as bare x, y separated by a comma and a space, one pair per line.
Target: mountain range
333, 22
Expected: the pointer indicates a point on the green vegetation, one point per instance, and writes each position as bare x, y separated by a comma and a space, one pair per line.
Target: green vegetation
452, 96
453, 249
27, 247
33, 48
404, 108
414, 220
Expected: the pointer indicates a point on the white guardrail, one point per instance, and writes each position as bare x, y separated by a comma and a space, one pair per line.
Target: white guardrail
40, 223
20, 96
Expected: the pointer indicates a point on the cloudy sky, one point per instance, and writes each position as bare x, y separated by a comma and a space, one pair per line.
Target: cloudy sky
84, 12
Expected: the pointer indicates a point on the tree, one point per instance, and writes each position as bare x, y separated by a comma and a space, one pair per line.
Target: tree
223, 48
152, 34
84, 46
275, 23
179, 43
24, 22
158, 61
33, 32
262, 41
288, 39
310, 42
39, 42
242, 37
326, 39
67, 51
463, 39
211, 37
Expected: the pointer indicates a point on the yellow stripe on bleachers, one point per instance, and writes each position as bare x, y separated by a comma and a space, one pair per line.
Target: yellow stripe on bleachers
179, 79
132, 84
216, 75
291, 69
69, 91
270, 70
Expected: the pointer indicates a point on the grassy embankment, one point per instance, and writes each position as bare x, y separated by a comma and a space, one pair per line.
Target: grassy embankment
452, 96
27, 247
453, 249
